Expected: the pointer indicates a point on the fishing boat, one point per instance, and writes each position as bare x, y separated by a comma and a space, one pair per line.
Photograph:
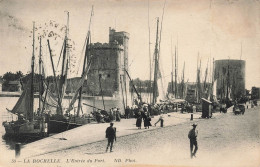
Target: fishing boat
158, 83
77, 119
60, 117
28, 123
58, 121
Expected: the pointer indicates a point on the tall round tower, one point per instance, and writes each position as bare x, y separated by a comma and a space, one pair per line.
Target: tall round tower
230, 77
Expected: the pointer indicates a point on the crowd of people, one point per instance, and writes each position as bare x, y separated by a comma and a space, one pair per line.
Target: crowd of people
102, 116
142, 113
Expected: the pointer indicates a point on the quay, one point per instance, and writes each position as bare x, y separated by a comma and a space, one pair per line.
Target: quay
92, 133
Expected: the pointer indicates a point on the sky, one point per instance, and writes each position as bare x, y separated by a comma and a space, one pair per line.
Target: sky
219, 29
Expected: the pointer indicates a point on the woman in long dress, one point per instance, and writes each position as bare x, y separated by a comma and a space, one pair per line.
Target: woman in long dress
139, 120
147, 120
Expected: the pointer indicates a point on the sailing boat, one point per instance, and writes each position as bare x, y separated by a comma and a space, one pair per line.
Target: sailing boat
77, 119
59, 122
27, 124
156, 66
158, 87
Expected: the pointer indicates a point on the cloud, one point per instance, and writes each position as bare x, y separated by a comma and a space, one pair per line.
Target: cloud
12, 22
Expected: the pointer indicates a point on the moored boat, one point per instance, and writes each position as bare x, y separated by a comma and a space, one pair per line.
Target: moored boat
28, 124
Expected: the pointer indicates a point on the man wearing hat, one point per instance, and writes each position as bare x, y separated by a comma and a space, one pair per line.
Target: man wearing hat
193, 140
111, 136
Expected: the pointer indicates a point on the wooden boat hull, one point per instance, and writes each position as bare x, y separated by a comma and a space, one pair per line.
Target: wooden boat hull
82, 120
56, 126
36, 128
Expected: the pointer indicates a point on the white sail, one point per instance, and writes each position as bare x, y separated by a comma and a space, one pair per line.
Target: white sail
214, 88
214, 91
161, 82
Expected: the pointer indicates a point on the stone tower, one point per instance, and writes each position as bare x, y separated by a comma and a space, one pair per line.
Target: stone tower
122, 38
230, 75
109, 62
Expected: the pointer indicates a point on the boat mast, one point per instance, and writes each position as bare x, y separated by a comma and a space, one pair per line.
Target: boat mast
205, 80
213, 76
101, 91
125, 92
172, 69
227, 80
64, 69
150, 59
40, 73
133, 86
175, 83
122, 91
84, 63
198, 81
55, 79
155, 89
30, 113
199, 84
176, 68
183, 81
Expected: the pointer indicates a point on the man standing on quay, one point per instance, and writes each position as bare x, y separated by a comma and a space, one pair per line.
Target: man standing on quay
111, 136
193, 140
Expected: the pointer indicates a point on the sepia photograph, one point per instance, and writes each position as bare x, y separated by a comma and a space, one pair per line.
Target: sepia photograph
106, 83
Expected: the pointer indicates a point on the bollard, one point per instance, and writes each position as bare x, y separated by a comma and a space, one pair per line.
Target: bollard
191, 116
161, 122
17, 150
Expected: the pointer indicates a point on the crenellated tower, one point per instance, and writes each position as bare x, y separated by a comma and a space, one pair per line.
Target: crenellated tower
109, 62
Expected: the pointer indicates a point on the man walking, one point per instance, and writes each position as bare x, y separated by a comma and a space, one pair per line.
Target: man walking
193, 140
127, 112
111, 136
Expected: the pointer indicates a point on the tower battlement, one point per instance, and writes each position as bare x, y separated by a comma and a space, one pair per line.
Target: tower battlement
112, 45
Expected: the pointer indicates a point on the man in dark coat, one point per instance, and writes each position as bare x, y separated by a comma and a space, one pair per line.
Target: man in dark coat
193, 140
127, 112
111, 136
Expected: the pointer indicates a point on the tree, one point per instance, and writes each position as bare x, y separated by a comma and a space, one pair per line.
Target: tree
9, 76
19, 75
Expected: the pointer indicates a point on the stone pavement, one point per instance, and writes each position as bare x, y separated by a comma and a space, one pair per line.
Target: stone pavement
91, 133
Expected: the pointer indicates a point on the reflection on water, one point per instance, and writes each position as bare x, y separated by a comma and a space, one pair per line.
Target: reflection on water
11, 141
7, 144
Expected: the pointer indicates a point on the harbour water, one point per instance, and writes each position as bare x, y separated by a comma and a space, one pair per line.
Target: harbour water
7, 145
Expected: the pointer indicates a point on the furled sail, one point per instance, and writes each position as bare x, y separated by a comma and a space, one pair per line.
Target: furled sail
51, 101
80, 84
23, 104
